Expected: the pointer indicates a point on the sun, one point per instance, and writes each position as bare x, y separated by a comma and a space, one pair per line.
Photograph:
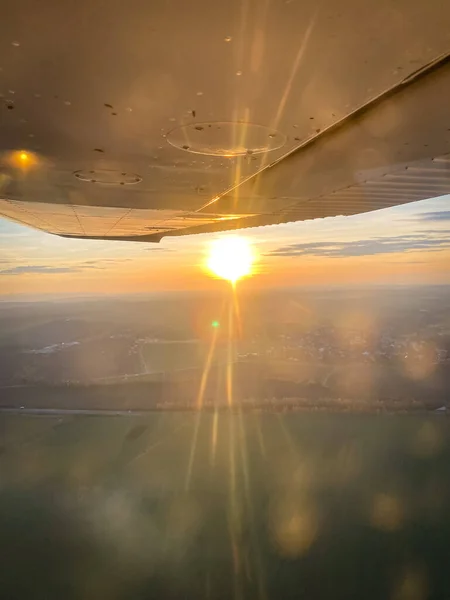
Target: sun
230, 258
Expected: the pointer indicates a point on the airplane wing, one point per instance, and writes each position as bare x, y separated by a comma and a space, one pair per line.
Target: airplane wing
135, 121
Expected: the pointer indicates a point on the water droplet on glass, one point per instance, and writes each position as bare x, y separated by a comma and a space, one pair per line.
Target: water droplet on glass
11, 92
228, 38
67, 102
129, 109
16, 44
199, 93
238, 73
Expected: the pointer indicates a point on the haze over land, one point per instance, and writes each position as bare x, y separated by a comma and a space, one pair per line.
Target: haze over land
377, 348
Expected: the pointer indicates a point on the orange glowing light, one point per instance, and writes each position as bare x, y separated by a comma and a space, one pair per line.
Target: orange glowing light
22, 159
230, 258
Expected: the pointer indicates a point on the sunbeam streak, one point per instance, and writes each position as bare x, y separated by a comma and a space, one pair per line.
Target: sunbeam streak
259, 432
237, 312
192, 451
200, 398
206, 370
294, 70
237, 183
214, 435
287, 90
244, 460
230, 357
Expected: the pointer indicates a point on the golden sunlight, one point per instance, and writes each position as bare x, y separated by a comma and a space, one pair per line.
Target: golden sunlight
21, 159
230, 258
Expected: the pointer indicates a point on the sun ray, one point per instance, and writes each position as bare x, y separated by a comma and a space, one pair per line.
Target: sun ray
285, 95
192, 451
287, 90
203, 382
239, 142
206, 370
244, 459
295, 66
234, 520
261, 443
232, 459
237, 311
214, 435
229, 380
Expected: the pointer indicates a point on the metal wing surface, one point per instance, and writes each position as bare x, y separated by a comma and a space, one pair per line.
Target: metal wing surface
138, 120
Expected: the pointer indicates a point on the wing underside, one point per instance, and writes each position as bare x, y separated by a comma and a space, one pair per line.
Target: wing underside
385, 148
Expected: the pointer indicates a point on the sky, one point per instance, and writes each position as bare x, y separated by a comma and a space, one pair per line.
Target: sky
402, 245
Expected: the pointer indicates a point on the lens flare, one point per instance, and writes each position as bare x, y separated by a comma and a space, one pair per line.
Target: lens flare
21, 159
230, 258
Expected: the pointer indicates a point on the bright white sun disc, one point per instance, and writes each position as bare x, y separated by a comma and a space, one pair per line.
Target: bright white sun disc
230, 258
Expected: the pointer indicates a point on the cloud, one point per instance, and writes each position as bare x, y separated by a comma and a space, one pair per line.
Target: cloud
106, 261
443, 215
27, 269
87, 267
368, 247
159, 249
103, 263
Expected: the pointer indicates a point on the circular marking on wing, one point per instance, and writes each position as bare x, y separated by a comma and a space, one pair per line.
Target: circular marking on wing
226, 138
108, 177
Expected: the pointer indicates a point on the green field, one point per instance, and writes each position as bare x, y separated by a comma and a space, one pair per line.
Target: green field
197, 505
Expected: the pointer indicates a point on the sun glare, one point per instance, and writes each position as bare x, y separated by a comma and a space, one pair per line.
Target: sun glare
230, 258
22, 159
